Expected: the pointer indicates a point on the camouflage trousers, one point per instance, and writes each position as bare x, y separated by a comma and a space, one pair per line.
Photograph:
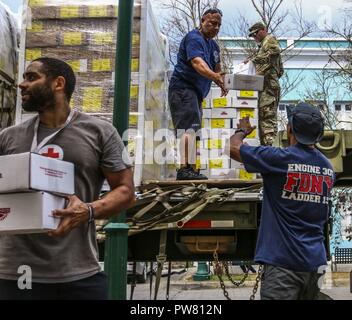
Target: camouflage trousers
267, 114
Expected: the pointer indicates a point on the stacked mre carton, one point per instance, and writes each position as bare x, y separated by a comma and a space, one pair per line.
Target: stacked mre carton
83, 34
221, 118
31, 187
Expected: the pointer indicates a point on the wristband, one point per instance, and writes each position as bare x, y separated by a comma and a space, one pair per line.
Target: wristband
91, 213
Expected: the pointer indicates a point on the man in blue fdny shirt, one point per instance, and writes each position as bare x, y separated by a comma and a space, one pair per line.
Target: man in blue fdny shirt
297, 183
198, 64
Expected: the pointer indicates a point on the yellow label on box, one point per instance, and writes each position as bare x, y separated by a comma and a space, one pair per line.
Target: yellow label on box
218, 123
100, 65
32, 54
98, 11
102, 38
69, 12
36, 26
247, 94
134, 92
73, 38
36, 3
92, 99
134, 65
133, 119
246, 113
204, 103
252, 135
216, 163
202, 123
135, 39
116, 11
198, 164
75, 65
219, 102
157, 85
214, 144
244, 175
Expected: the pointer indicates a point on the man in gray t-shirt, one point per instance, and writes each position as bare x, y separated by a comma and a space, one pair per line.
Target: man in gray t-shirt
64, 263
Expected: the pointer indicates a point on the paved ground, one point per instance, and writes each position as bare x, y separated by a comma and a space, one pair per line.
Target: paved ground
182, 287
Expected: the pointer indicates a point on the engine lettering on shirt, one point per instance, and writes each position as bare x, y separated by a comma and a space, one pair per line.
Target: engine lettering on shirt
306, 183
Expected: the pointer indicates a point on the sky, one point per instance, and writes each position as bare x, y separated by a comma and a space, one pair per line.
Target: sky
317, 10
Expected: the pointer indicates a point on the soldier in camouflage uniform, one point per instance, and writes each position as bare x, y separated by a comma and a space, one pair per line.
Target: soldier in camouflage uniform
268, 63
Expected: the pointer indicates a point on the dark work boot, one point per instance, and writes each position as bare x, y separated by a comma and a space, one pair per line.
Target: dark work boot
187, 173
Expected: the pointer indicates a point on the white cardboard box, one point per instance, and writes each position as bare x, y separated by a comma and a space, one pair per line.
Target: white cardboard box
221, 102
30, 171
247, 94
224, 113
246, 103
223, 173
29, 212
244, 82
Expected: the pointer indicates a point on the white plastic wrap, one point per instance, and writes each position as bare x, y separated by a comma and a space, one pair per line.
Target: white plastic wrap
83, 33
8, 66
9, 42
245, 68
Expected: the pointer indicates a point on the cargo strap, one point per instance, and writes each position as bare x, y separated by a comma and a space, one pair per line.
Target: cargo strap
197, 199
160, 258
168, 281
160, 198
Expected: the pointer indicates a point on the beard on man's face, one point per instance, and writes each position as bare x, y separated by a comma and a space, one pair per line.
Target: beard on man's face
39, 99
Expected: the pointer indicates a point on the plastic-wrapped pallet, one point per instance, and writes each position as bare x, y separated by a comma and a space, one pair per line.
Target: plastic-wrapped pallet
8, 66
83, 33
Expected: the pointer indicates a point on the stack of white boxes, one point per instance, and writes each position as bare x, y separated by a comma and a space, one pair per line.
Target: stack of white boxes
31, 187
221, 116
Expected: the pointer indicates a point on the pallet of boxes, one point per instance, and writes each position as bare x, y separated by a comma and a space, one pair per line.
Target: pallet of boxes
83, 33
29, 195
221, 116
8, 66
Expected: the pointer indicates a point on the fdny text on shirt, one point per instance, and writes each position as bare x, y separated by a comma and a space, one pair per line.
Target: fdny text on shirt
307, 183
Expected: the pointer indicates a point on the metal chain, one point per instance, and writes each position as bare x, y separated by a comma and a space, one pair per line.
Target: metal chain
236, 283
219, 272
257, 280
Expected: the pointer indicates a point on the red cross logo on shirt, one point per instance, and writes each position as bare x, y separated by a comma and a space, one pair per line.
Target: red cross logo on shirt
51, 153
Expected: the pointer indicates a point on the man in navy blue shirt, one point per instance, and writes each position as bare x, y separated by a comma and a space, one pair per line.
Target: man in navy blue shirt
198, 64
297, 183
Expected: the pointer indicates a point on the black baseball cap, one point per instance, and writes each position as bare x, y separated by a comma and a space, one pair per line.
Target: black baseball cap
307, 123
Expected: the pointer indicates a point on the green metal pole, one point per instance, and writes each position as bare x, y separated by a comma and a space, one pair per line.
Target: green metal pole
202, 272
117, 231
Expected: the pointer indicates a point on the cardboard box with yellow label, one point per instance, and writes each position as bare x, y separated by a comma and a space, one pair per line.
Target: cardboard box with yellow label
218, 123
224, 113
246, 103
246, 94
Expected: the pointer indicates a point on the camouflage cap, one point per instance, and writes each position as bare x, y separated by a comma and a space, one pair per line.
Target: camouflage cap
256, 27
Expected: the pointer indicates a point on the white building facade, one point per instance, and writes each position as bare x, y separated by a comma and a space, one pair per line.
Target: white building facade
305, 61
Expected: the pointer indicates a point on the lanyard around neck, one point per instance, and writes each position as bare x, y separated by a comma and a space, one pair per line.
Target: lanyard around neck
35, 147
